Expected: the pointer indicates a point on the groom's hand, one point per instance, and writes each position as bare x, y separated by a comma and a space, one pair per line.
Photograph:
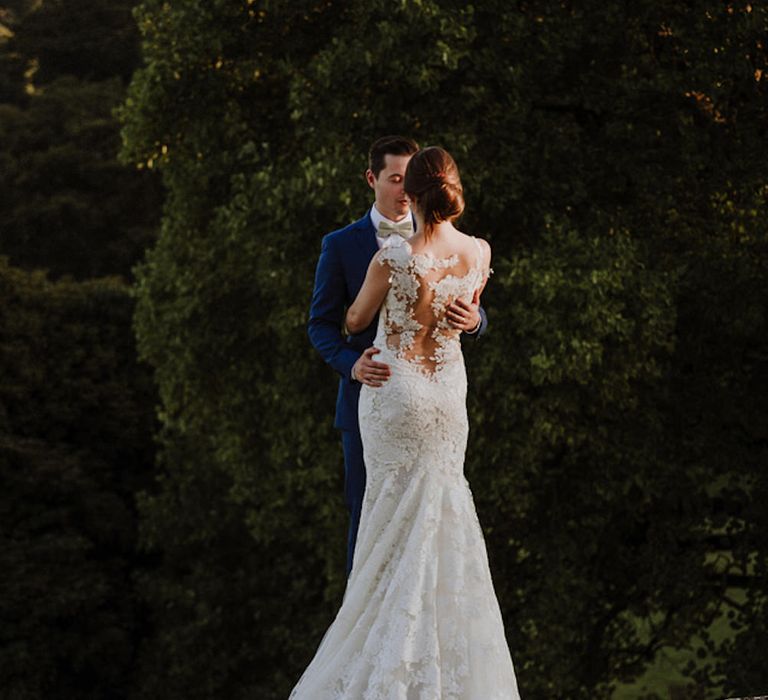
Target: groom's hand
464, 315
367, 371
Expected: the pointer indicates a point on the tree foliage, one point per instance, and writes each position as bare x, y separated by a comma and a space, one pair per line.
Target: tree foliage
68, 205
91, 40
76, 424
77, 413
611, 155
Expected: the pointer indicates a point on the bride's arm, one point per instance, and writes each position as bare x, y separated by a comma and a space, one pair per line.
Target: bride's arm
370, 297
486, 267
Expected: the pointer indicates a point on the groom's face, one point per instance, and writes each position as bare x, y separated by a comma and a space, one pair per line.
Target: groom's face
388, 186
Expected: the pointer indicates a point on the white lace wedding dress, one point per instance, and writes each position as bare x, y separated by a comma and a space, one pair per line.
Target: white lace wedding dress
420, 619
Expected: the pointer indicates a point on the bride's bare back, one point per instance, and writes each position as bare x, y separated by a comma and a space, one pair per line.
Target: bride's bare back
424, 281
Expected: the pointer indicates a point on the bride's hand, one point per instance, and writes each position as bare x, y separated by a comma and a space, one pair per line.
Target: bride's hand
464, 315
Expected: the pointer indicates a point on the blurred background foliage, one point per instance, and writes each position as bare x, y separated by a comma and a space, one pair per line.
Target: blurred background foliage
68, 205
76, 424
77, 408
612, 155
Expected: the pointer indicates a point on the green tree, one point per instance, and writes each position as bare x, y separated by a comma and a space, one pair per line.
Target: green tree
11, 66
77, 411
91, 40
611, 155
68, 205
76, 425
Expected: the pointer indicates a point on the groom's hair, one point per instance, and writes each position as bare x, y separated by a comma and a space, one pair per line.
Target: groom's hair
395, 145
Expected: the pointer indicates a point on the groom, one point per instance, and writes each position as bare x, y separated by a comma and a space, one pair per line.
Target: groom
344, 258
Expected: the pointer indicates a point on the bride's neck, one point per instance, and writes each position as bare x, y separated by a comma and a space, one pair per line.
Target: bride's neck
439, 230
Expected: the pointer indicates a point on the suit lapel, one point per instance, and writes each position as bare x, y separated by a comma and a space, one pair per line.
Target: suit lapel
366, 237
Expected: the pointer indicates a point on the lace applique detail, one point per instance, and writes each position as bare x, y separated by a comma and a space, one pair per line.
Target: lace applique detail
422, 334
445, 291
423, 263
404, 291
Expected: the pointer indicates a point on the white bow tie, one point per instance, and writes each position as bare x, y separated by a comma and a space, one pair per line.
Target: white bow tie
404, 228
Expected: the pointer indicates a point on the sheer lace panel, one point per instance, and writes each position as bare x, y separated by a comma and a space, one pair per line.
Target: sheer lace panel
422, 287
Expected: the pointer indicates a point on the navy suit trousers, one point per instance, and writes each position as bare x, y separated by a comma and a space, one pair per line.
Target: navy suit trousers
354, 486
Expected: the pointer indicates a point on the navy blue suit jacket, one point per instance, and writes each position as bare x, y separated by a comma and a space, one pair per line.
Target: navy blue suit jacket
344, 258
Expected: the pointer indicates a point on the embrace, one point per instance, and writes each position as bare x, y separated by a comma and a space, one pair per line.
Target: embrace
420, 619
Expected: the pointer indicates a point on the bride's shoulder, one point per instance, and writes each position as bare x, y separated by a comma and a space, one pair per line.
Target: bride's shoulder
478, 244
395, 250
481, 249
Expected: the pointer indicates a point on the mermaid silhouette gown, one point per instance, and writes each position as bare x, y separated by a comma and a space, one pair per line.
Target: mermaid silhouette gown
420, 619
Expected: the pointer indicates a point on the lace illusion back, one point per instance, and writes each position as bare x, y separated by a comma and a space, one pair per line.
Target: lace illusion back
419, 619
413, 318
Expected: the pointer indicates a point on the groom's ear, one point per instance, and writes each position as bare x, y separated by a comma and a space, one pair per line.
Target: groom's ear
370, 178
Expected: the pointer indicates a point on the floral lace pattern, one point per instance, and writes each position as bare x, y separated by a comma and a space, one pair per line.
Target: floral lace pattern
419, 619
414, 321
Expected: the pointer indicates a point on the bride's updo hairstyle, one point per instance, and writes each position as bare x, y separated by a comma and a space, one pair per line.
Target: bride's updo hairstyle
432, 182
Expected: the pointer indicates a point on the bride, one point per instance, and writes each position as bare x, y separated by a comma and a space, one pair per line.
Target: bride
419, 619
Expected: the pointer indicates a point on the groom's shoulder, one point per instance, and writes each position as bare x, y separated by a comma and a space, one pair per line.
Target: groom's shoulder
341, 235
